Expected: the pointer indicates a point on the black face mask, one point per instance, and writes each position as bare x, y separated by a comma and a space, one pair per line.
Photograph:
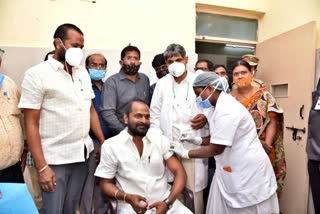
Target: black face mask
130, 69
161, 74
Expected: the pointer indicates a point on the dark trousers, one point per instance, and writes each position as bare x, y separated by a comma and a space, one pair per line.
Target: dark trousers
12, 174
314, 176
211, 170
65, 199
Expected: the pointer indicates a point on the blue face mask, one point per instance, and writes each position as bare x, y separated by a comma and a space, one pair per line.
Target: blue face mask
1, 79
204, 103
96, 74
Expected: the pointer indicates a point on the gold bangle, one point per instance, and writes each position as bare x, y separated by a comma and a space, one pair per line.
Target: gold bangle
124, 197
115, 194
43, 168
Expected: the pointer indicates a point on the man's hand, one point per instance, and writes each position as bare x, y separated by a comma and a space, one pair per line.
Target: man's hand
98, 154
198, 121
161, 207
190, 137
178, 148
138, 203
47, 180
24, 160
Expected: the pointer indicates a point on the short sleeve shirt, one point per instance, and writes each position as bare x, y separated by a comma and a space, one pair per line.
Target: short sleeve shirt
64, 102
145, 175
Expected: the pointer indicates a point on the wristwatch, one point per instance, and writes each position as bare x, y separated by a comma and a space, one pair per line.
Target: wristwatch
168, 203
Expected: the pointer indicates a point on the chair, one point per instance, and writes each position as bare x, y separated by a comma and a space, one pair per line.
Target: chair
186, 193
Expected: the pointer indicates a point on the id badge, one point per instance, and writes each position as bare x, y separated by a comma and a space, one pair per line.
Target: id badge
317, 106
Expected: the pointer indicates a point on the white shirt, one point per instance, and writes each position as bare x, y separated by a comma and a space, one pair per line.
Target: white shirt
171, 110
251, 179
64, 102
143, 175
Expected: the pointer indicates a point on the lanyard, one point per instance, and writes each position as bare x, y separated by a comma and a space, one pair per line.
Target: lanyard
174, 93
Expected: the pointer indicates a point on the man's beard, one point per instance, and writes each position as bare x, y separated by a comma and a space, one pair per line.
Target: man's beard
62, 55
140, 129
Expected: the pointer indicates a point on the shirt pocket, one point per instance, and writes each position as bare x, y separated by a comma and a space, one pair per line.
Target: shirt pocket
156, 166
232, 181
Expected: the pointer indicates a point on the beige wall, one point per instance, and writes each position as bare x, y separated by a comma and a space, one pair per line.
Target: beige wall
284, 15
280, 15
149, 24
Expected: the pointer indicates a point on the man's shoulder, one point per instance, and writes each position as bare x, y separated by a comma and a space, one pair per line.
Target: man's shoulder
155, 134
39, 69
117, 139
165, 80
143, 75
113, 78
8, 83
259, 83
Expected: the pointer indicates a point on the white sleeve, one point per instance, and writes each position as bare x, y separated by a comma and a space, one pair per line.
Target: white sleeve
224, 129
156, 106
107, 167
32, 91
165, 145
196, 109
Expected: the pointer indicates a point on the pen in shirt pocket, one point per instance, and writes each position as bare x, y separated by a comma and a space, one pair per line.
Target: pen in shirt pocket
149, 159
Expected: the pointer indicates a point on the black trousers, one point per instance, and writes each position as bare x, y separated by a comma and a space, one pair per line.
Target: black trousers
314, 178
12, 174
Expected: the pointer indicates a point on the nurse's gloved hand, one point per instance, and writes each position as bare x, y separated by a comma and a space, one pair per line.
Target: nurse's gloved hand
178, 148
191, 138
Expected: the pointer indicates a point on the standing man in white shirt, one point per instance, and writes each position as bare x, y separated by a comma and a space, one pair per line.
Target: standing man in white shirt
56, 98
172, 110
137, 158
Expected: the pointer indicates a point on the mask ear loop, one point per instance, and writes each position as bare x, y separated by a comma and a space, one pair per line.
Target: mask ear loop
223, 82
65, 61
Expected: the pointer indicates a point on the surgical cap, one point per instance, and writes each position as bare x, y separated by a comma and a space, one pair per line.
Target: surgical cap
206, 78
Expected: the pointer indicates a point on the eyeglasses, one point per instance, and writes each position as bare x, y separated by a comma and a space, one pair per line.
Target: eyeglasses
201, 68
161, 68
97, 66
130, 58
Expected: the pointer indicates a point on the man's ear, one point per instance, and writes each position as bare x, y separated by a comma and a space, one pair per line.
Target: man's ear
125, 119
57, 42
121, 62
186, 59
210, 87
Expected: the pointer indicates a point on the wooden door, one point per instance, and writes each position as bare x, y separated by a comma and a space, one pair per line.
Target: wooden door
287, 65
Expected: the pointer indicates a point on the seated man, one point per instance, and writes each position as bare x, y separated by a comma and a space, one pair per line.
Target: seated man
137, 157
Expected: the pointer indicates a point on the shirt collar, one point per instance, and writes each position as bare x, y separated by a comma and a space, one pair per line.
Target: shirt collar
1, 79
126, 137
123, 75
55, 64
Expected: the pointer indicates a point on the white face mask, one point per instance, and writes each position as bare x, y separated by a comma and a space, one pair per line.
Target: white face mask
176, 69
73, 55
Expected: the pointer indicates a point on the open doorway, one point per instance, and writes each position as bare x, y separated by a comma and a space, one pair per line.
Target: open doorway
223, 54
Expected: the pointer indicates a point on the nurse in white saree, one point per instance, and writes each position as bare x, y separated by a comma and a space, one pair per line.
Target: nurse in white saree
244, 181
